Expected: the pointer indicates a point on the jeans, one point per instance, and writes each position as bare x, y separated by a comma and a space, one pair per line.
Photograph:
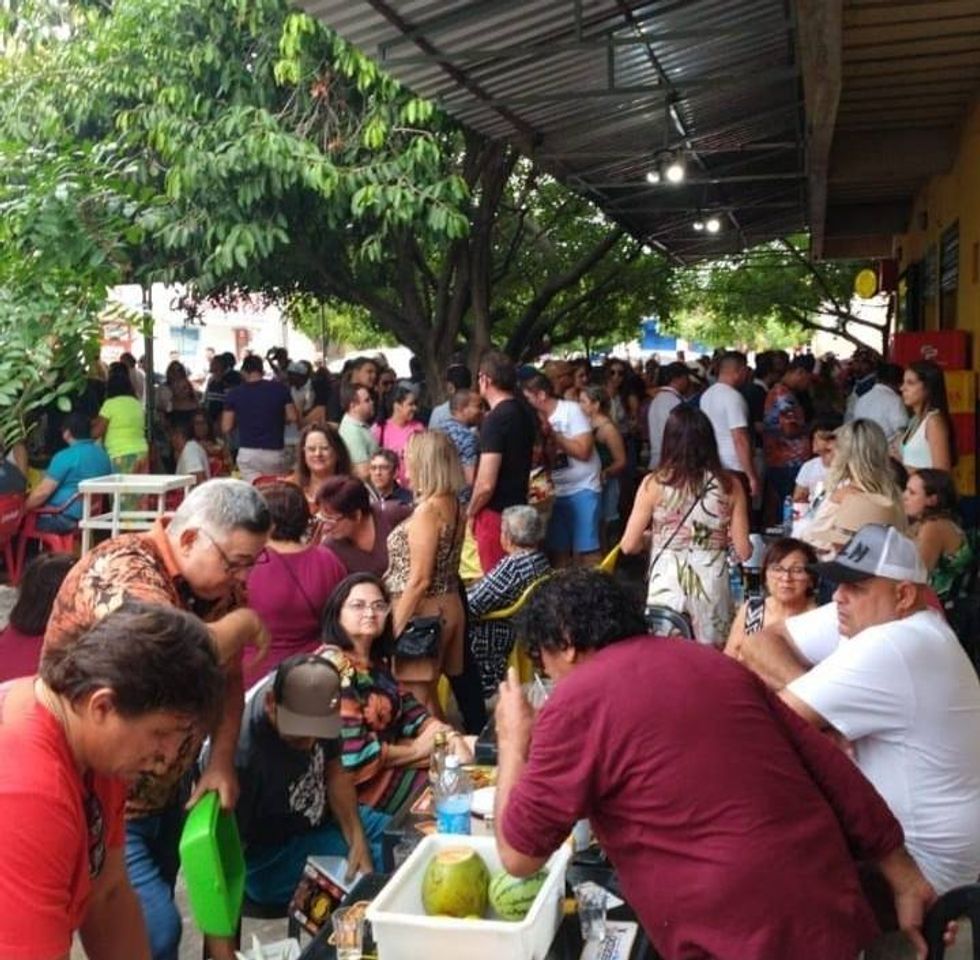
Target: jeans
273, 870
57, 523
152, 860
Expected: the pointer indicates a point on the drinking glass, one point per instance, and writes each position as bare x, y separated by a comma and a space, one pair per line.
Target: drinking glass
591, 912
348, 932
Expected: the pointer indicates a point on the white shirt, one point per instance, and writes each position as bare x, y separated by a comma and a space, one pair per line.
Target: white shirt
885, 407
569, 421
660, 407
907, 696
727, 410
193, 459
812, 473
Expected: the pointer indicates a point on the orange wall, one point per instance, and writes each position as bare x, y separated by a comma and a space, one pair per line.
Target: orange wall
945, 199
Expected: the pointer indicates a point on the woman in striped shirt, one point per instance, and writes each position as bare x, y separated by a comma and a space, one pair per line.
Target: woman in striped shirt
387, 735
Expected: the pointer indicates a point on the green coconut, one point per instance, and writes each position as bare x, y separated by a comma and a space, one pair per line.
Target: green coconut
455, 884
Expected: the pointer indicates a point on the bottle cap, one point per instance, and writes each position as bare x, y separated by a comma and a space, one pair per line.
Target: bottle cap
440, 738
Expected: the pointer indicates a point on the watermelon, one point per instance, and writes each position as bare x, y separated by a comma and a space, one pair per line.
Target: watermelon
511, 897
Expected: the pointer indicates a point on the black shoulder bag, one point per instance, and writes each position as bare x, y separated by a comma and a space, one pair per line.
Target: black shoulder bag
420, 638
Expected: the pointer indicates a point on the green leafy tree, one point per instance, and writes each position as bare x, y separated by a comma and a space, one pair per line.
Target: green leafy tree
772, 295
239, 147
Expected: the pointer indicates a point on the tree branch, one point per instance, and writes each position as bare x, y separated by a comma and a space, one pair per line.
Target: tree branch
555, 285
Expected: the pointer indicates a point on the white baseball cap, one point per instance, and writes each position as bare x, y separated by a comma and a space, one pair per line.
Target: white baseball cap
875, 550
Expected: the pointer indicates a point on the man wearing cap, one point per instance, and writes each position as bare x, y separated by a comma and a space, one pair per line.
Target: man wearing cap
296, 799
889, 675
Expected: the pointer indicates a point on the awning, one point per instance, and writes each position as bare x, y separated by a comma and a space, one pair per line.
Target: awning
597, 90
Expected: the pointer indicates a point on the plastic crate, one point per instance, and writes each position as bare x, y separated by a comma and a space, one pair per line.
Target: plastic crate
214, 867
403, 931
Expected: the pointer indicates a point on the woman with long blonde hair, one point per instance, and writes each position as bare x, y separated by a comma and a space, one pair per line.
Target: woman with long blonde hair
423, 563
860, 488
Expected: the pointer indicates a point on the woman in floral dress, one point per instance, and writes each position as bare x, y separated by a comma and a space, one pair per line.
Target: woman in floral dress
698, 512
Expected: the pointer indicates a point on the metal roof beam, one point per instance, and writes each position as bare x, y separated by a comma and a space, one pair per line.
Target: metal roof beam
453, 18
537, 51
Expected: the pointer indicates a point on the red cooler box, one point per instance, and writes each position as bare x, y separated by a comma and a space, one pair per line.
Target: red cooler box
949, 348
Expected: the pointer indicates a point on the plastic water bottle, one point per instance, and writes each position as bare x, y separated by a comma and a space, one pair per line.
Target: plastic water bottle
788, 516
437, 761
454, 797
735, 584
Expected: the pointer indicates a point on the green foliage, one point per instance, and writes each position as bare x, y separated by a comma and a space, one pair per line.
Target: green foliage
770, 296
238, 146
341, 324
47, 348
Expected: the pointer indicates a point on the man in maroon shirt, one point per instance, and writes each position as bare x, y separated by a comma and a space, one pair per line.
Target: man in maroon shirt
734, 826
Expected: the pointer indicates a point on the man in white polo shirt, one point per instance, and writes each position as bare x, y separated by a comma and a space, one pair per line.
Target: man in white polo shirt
887, 673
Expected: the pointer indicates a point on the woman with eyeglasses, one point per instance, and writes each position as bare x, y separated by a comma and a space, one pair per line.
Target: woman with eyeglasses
290, 589
355, 528
387, 735
322, 454
790, 589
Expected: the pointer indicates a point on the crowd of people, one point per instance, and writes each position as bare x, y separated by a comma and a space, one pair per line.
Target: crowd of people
344, 548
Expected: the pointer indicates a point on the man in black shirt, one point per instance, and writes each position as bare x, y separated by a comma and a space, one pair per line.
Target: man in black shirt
506, 447
296, 798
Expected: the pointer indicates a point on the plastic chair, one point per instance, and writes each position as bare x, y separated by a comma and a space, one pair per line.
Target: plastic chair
55, 542
11, 509
953, 904
665, 622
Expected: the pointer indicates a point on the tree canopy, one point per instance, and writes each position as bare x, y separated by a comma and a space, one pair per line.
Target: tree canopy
239, 146
772, 295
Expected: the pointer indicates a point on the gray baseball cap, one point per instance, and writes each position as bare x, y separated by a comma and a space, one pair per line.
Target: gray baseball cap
875, 550
307, 694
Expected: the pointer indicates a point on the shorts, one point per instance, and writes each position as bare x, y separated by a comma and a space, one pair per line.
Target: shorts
574, 526
486, 532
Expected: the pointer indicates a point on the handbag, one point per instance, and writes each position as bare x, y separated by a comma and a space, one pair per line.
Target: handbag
420, 639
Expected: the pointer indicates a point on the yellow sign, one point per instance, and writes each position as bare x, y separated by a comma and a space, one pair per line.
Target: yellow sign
866, 284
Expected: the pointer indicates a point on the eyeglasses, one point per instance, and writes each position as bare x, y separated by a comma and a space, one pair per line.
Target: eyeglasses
361, 607
237, 566
794, 572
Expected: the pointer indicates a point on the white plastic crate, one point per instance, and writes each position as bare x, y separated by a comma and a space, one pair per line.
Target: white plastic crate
402, 930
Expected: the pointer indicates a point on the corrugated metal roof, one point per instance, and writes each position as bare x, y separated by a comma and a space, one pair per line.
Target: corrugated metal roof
583, 85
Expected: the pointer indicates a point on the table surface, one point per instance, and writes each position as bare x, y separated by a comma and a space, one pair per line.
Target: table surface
567, 944
136, 483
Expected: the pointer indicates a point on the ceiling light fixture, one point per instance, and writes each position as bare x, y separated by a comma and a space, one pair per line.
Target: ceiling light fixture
698, 225
674, 169
712, 225
653, 176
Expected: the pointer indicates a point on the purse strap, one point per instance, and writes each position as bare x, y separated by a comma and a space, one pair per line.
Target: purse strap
676, 530
299, 586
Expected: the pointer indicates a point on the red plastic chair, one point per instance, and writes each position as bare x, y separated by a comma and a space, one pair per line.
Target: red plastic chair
11, 510
55, 542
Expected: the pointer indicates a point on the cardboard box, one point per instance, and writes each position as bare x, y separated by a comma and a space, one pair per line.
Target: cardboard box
965, 475
965, 431
949, 348
320, 890
961, 390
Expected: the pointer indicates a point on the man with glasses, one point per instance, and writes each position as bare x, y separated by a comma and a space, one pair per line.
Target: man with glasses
197, 561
